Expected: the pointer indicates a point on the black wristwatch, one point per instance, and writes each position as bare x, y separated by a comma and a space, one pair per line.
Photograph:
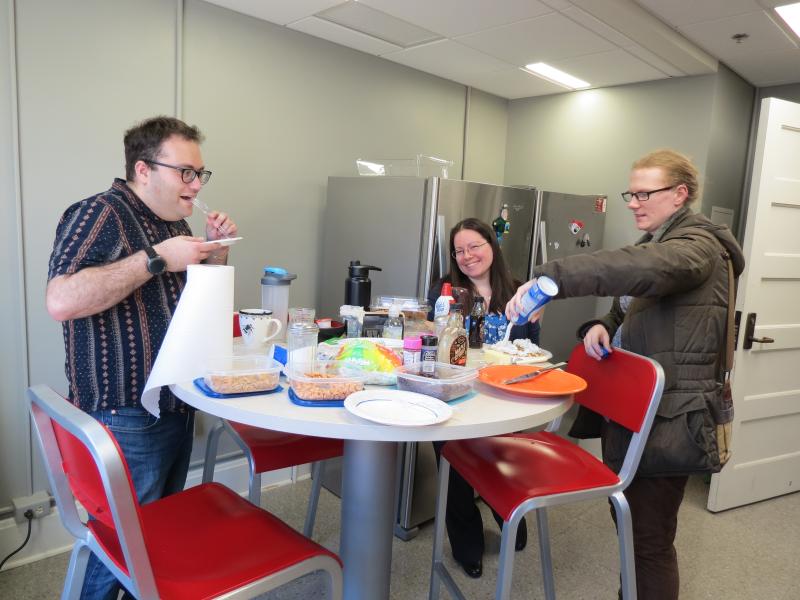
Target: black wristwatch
155, 263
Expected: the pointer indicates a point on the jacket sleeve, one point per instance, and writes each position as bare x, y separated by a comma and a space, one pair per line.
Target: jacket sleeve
648, 270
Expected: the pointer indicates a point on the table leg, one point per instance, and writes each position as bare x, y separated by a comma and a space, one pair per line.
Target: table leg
368, 515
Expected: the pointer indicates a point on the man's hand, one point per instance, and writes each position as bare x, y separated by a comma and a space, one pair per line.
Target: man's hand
595, 339
219, 225
514, 306
184, 250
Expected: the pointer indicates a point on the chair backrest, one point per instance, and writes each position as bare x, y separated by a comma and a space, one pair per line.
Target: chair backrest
84, 462
625, 388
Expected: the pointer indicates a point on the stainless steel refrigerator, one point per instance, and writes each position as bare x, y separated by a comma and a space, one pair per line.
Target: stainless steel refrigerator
402, 224
567, 224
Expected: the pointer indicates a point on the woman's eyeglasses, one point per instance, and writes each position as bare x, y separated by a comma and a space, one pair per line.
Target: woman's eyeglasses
472, 248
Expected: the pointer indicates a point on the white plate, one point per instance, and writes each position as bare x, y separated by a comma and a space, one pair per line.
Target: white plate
513, 359
223, 241
396, 407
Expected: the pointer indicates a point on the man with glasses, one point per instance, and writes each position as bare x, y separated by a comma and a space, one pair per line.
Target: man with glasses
116, 273
671, 303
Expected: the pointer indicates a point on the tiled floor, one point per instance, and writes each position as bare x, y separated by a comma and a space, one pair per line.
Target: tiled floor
742, 554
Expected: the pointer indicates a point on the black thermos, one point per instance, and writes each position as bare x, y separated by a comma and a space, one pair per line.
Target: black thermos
358, 287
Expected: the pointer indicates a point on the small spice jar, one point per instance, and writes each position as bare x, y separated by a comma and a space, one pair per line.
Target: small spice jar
412, 351
428, 351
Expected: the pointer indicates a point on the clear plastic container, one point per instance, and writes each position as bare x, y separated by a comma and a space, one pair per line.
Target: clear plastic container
242, 374
447, 383
323, 381
301, 342
275, 294
419, 166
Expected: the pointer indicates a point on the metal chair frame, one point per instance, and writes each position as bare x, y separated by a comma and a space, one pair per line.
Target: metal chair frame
439, 572
47, 406
254, 485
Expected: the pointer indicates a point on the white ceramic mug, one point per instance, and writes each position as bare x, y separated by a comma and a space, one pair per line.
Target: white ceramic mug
256, 324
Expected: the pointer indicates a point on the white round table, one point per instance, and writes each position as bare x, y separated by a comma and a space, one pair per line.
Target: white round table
370, 459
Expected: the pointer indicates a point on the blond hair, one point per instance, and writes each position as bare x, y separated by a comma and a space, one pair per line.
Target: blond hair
677, 167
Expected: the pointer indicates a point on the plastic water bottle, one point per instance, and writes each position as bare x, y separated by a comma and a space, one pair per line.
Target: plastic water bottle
393, 327
540, 293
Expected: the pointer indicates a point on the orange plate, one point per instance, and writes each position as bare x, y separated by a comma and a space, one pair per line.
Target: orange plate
554, 383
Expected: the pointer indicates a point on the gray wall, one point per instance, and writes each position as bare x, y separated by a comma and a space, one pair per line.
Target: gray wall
732, 110
485, 151
281, 111
15, 472
585, 142
785, 92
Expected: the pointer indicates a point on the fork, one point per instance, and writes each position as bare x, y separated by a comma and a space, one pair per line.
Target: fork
205, 208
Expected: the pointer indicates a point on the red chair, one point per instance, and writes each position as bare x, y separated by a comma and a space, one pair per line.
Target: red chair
523, 472
204, 542
268, 450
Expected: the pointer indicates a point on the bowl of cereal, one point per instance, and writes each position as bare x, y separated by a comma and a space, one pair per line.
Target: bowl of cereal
447, 382
323, 381
242, 374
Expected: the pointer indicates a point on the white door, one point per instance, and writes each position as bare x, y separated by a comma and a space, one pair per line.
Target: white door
766, 377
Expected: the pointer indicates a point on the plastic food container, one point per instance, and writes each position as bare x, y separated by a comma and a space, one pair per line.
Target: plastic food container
242, 374
448, 383
323, 381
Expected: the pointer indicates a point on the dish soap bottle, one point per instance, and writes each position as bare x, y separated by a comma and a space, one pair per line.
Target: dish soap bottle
453, 343
393, 328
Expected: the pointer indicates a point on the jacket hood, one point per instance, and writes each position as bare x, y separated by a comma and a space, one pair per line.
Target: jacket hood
722, 233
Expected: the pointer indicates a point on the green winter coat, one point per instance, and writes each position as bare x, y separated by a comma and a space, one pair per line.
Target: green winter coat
678, 318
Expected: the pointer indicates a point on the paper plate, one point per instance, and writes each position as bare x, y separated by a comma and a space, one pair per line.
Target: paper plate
554, 383
224, 241
396, 407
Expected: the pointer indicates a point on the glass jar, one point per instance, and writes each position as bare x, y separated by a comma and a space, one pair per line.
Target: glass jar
301, 342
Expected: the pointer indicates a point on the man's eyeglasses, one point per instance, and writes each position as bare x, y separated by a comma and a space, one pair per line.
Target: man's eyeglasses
472, 248
187, 174
643, 196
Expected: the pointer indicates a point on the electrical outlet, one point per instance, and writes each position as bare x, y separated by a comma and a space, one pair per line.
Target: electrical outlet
38, 504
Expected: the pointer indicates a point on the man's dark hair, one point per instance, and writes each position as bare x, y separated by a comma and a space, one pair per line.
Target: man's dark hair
143, 140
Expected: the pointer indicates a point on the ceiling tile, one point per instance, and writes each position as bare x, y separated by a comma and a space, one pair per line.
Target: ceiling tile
513, 84
543, 39
609, 68
593, 24
342, 35
683, 12
452, 18
715, 36
448, 59
277, 12
376, 23
653, 60
775, 68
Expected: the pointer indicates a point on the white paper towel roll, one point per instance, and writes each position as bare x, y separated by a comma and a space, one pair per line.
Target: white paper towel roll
201, 327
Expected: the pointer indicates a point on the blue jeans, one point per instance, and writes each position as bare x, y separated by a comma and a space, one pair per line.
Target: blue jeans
157, 452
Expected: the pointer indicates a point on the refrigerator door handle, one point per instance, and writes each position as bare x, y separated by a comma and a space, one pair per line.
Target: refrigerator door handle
440, 240
543, 241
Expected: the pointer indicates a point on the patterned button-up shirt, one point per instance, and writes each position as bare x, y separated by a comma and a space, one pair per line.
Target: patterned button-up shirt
109, 354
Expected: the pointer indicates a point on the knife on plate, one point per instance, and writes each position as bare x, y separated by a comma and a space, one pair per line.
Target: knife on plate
532, 375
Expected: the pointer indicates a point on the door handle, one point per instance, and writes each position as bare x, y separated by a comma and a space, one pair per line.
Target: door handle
749, 330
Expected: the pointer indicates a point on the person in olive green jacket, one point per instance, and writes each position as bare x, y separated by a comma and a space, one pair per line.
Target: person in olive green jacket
671, 296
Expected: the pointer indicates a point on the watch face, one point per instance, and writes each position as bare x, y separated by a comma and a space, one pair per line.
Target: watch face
156, 265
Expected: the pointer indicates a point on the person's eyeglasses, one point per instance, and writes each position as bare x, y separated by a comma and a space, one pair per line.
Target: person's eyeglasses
643, 196
472, 248
187, 174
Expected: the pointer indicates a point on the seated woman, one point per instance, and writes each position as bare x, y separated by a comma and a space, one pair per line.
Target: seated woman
477, 265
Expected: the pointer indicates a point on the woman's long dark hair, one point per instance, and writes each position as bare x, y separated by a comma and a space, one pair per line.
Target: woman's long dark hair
503, 285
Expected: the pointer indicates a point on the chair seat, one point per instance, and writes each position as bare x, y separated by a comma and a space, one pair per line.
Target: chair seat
276, 450
206, 541
509, 469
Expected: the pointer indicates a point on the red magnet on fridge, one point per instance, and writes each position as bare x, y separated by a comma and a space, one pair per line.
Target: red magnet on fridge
575, 226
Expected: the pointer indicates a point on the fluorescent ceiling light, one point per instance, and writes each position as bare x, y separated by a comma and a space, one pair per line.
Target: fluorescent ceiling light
791, 14
553, 75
